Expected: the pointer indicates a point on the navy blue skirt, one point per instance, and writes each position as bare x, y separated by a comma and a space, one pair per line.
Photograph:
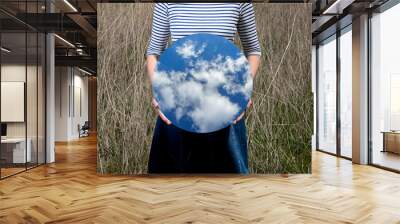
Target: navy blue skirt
174, 150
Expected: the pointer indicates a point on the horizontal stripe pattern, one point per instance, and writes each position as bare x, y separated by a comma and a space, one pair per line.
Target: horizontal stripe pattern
223, 19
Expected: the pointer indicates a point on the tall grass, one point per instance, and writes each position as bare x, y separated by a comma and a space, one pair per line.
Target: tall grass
125, 117
279, 124
281, 121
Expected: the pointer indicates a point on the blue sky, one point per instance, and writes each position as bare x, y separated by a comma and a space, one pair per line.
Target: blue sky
202, 83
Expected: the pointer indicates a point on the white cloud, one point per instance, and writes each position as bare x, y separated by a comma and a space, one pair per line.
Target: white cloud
189, 50
167, 97
213, 112
215, 74
189, 92
234, 88
195, 93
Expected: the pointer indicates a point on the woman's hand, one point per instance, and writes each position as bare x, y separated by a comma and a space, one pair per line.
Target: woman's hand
249, 104
254, 62
157, 108
151, 65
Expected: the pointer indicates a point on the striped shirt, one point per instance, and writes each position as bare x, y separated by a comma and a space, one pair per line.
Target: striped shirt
223, 19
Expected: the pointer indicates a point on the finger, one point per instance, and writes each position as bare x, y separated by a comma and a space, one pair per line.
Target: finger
239, 118
250, 103
155, 103
164, 118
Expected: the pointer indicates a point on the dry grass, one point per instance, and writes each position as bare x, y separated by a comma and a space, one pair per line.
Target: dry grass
125, 118
279, 124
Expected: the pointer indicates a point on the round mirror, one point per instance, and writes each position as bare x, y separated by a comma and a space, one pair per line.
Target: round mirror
202, 83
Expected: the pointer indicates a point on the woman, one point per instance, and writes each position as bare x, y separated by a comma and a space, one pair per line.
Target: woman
174, 150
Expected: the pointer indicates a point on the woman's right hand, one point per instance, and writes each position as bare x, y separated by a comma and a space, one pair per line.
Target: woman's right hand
151, 62
157, 108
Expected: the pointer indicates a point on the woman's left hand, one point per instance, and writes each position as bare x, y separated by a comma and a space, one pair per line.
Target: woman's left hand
249, 104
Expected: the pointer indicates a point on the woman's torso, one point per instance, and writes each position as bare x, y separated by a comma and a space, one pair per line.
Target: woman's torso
214, 18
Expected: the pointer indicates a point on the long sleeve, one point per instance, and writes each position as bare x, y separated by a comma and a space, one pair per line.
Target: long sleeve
160, 30
247, 30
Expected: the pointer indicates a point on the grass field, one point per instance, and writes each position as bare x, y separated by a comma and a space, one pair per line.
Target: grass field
280, 123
